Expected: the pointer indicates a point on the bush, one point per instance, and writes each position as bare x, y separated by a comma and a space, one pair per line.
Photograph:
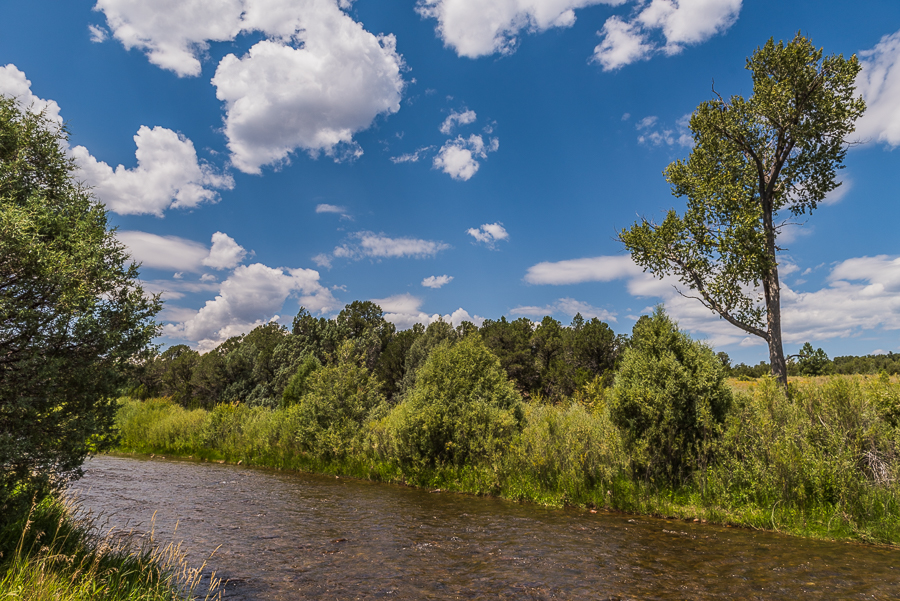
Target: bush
827, 449
463, 408
670, 398
299, 383
568, 450
331, 415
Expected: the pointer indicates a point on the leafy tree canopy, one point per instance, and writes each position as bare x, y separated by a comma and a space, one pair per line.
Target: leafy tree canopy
756, 162
72, 315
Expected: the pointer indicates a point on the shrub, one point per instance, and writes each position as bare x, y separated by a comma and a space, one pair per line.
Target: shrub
299, 383
331, 415
463, 408
568, 450
827, 448
670, 398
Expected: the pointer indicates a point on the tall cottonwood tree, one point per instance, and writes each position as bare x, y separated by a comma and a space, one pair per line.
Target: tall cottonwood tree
755, 162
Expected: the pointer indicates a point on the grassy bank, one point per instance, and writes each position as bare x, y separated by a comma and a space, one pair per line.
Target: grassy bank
823, 463
52, 555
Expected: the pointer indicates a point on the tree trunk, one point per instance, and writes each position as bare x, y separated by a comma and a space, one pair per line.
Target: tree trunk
772, 289
773, 326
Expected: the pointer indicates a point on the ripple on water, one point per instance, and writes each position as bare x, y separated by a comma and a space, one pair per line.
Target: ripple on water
283, 535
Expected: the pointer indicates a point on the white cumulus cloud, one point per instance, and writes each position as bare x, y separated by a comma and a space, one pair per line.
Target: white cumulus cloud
13, 83
179, 254
164, 252
312, 95
362, 245
576, 271
652, 134
476, 28
252, 295
279, 98
411, 157
225, 252
489, 234
863, 294
327, 208
565, 306
437, 281
167, 175
879, 83
455, 118
403, 310
98, 34
622, 44
173, 33
317, 79
457, 158
680, 22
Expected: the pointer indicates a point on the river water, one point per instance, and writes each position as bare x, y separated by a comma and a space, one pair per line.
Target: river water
283, 535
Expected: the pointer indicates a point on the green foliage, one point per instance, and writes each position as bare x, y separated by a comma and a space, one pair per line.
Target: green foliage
595, 348
177, 365
72, 315
209, 379
437, 333
510, 341
822, 464
462, 409
752, 160
813, 362
339, 399
549, 344
568, 450
670, 398
869, 364
746, 372
391, 366
825, 448
300, 382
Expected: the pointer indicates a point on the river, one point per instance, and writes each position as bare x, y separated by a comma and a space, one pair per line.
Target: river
284, 535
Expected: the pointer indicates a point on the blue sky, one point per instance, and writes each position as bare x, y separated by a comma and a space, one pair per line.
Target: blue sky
458, 158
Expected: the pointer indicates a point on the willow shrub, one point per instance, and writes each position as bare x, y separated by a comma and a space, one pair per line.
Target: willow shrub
827, 450
462, 410
670, 398
565, 454
160, 425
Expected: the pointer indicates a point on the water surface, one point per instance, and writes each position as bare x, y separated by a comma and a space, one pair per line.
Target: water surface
284, 535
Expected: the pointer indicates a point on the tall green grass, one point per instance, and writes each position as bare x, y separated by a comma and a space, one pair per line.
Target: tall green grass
821, 461
52, 555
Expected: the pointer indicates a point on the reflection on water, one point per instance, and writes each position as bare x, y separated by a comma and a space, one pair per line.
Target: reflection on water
295, 536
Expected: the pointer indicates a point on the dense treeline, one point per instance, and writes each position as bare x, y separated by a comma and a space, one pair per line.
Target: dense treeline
668, 436
548, 361
809, 362
271, 365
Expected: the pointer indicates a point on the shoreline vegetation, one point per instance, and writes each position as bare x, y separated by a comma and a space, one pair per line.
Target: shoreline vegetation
58, 552
672, 437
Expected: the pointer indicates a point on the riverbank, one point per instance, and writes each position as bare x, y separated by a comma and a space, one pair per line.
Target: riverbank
54, 554
822, 464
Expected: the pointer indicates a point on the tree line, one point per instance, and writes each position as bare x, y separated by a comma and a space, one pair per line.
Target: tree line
809, 362
269, 365
545, 360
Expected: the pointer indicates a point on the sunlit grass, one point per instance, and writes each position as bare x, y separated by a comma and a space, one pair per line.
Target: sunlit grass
61, 557
822, 462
